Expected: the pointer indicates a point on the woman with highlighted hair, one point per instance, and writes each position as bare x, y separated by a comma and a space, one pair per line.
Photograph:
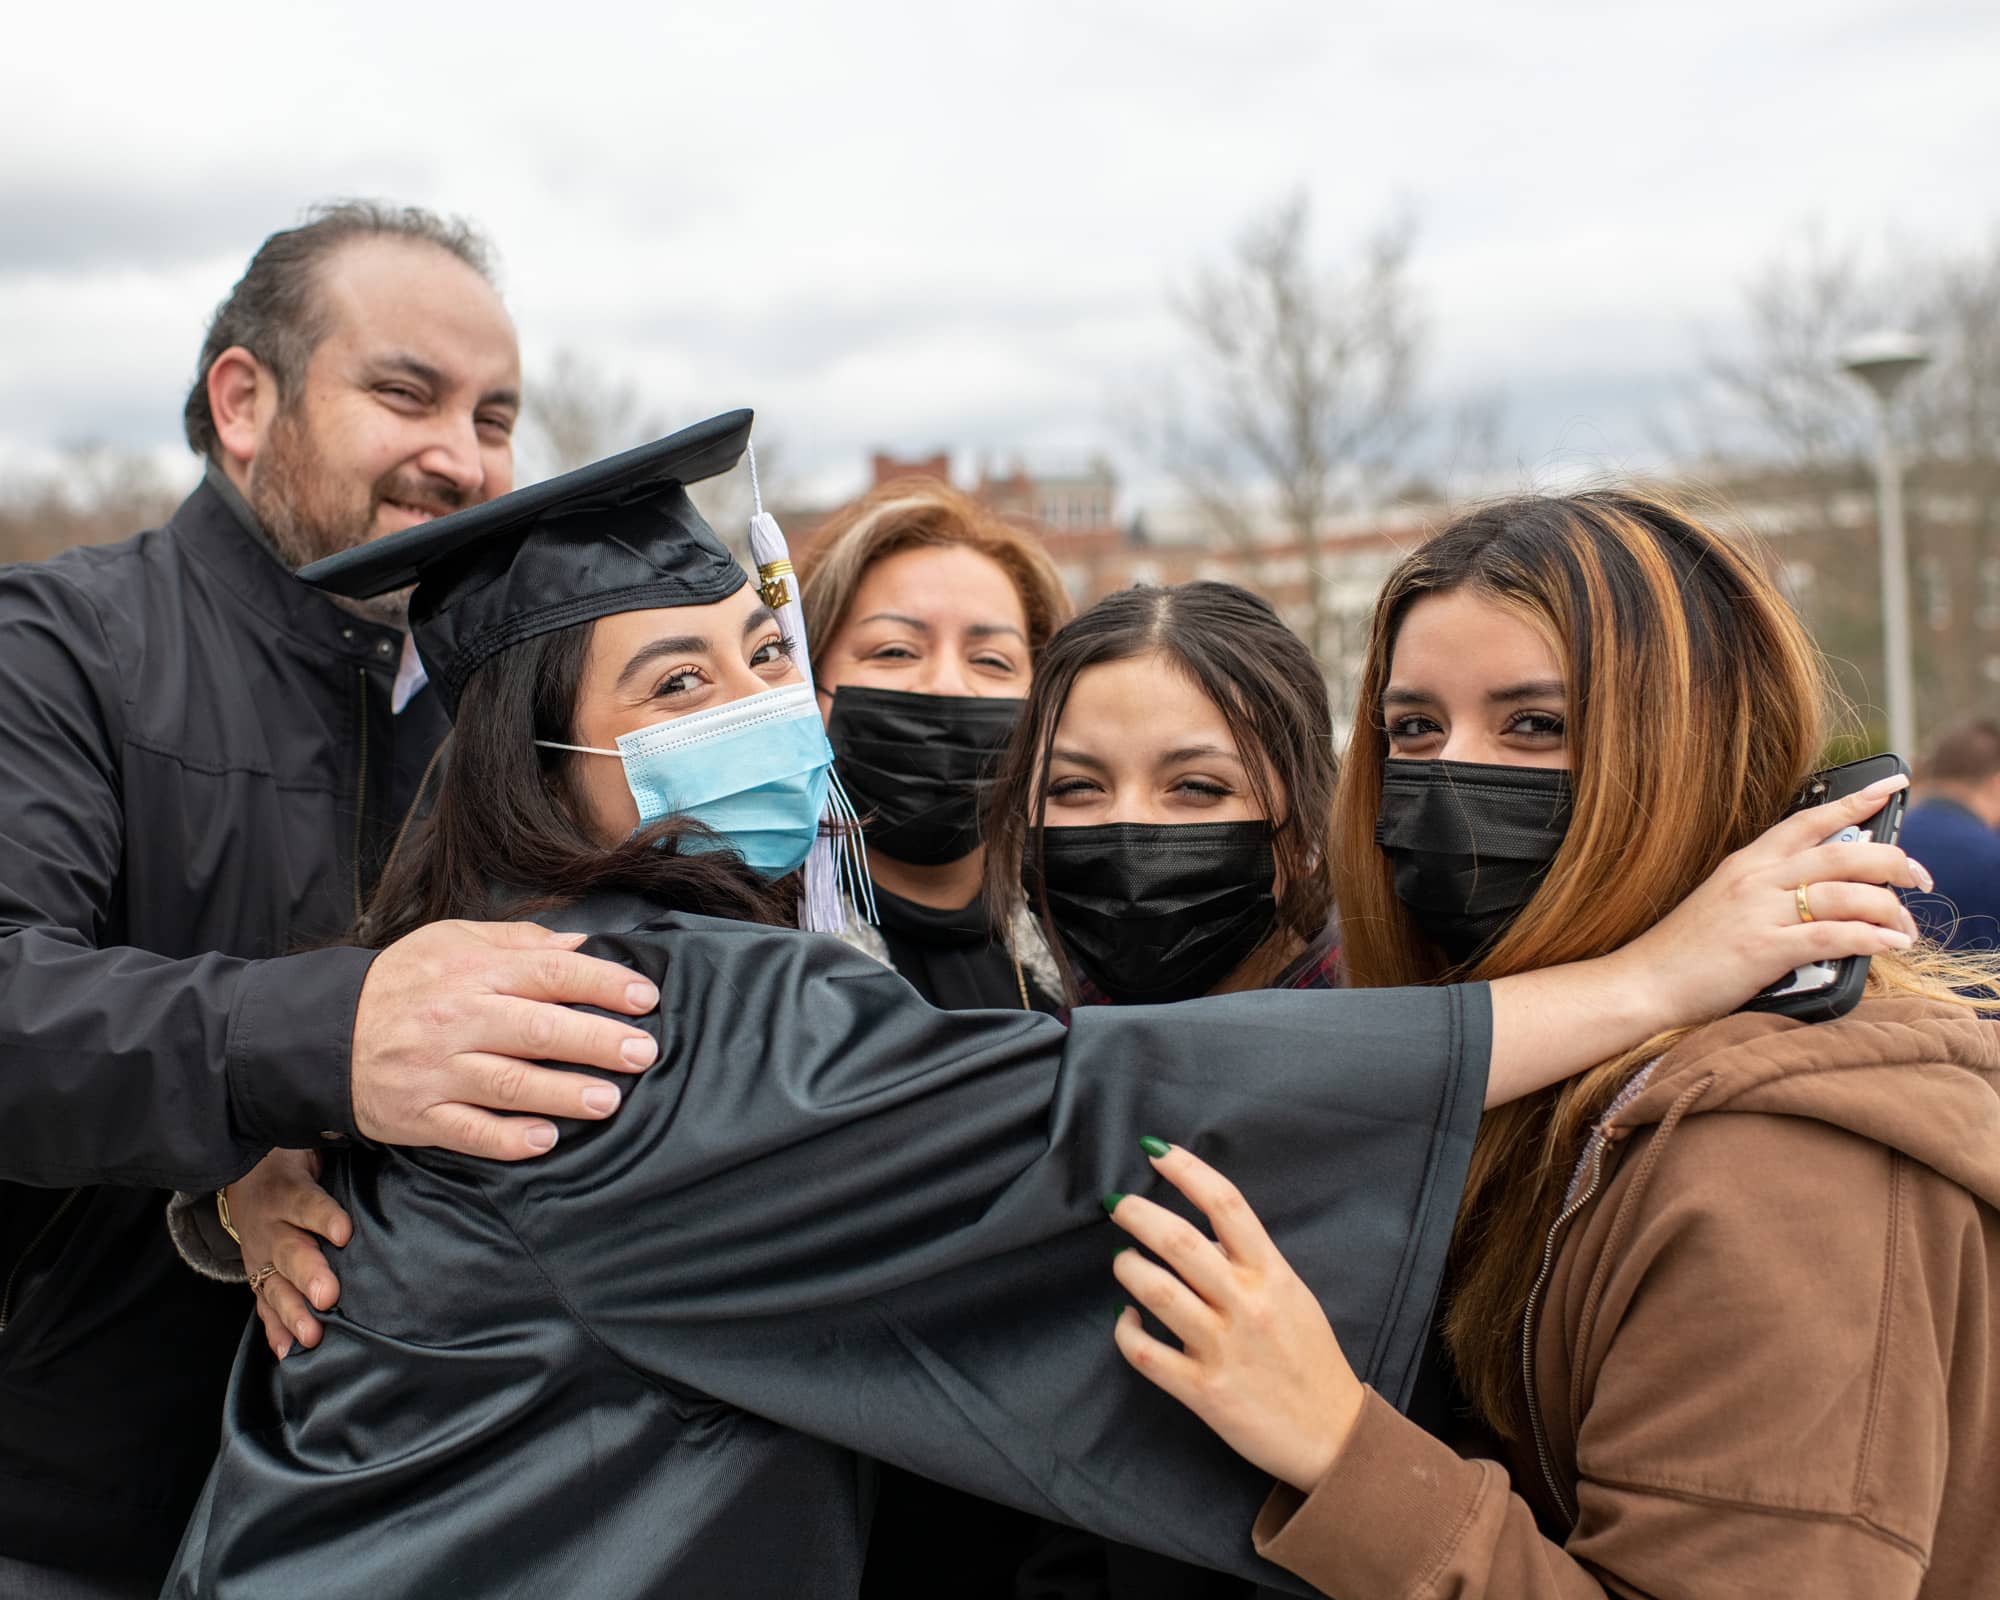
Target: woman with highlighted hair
1727, 1302
835, 1219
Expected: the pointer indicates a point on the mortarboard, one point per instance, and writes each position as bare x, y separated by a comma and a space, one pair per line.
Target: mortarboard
617, 535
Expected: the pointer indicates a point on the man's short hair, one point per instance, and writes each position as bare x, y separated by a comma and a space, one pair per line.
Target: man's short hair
276, 311
1967, 752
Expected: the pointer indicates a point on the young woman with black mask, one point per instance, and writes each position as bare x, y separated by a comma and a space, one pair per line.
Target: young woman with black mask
1729, 1301
1169, 786
1164, 801
834, 1218
926, 612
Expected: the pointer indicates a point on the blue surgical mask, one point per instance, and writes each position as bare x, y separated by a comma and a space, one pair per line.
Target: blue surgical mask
754, 771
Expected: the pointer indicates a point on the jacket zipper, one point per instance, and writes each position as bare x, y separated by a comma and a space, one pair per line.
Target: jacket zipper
7, 1297
360, 782
1528, 1326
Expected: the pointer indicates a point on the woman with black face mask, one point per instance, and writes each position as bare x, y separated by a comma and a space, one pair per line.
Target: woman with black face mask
1163, 813
927, 611
1164, 808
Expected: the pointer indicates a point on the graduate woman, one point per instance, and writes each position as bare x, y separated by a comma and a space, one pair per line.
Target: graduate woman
834, 1218
926, 612
1730, 1301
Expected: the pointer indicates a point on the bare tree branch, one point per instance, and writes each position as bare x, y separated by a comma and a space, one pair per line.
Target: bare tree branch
579, 414
1789, 425
1298, 391
95, 494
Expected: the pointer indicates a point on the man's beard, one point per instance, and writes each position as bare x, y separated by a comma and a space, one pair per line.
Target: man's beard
308, 513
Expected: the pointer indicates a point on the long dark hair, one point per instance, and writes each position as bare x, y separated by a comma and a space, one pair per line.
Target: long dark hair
1258, 674
507, 835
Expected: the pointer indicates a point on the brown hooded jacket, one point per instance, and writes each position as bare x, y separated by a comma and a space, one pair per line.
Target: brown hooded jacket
1764, 1358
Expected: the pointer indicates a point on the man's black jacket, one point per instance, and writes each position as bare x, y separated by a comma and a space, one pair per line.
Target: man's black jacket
199, 772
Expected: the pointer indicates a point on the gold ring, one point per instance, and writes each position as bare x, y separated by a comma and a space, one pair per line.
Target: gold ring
257, 1278
1805, 905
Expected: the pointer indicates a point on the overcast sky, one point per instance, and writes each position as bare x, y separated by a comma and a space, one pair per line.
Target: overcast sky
933, 225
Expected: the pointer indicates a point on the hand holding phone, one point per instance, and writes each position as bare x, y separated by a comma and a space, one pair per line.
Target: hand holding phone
1825, 990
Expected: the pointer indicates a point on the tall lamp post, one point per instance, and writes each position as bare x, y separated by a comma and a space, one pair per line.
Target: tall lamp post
1884, 361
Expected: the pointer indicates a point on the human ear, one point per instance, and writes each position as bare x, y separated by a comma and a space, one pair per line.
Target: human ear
242, 398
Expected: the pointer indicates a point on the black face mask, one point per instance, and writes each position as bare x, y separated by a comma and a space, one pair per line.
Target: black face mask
1470, 845
1154, 913
918, 767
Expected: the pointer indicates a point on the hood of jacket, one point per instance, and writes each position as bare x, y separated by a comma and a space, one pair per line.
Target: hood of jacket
1920, 1076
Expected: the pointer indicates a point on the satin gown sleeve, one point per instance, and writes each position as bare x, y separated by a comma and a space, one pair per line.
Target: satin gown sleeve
882, 1224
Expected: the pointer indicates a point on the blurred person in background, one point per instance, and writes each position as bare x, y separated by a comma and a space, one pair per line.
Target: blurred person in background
1951, 829
202, 765
1728, 1302
927, 612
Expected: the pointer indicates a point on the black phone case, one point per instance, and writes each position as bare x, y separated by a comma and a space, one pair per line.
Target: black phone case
1828, 1001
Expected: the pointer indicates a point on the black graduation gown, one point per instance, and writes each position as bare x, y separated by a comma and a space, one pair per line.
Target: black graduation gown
833, 1219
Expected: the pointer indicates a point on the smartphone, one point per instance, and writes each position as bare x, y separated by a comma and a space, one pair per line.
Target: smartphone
1829, 989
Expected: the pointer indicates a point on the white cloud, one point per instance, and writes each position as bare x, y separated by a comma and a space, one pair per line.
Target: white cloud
906, 224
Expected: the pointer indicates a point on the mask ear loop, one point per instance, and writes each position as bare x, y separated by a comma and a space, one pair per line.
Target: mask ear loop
581, 749
839, 859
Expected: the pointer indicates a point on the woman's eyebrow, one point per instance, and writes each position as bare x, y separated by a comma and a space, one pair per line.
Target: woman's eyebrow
1540, 689
1079, 758
758, 618
1199, 752
688, 644
986, 630
1393, 695
896, 616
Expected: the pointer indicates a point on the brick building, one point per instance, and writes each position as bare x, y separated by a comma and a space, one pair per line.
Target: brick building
1097, 552
1817, 531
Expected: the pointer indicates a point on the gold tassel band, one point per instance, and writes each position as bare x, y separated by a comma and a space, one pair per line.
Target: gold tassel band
772, 589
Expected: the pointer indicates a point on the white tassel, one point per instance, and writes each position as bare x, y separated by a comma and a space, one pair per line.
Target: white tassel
839, 859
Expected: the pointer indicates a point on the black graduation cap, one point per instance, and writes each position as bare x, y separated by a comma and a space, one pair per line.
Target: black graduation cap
617, 535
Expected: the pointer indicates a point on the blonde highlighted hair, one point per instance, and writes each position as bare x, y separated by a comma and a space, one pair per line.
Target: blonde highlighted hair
1696, 708
917, 513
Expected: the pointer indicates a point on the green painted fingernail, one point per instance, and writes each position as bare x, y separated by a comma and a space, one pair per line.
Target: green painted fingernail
1115, 1321
1154, 1147
1111, 1201
1120, 1251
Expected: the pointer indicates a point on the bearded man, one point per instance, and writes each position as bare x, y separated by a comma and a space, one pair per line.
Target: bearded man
203, 766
